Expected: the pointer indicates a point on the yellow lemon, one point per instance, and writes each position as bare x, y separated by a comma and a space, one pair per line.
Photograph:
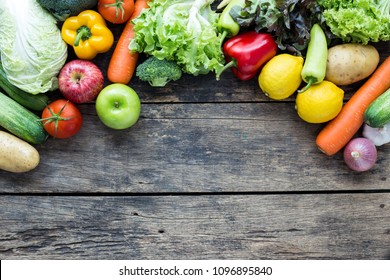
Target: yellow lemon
281, 76
320, 103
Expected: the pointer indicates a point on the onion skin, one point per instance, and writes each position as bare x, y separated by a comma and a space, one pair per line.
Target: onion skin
379, 136
360, 154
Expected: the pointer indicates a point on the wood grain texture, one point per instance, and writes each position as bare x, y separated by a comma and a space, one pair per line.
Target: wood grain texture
212, 170
338, 226
247, 147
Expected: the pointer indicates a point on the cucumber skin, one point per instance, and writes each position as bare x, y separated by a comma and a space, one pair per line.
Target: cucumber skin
20, 121
378, 112
34, 102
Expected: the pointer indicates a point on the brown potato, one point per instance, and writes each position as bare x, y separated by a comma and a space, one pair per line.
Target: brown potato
16, 155
350, 63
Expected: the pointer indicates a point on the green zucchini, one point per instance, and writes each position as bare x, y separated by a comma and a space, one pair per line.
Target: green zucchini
378, 112
34, 102
20, 121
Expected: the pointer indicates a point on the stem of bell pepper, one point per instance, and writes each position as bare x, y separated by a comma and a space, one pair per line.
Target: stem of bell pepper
83, 33
231, 63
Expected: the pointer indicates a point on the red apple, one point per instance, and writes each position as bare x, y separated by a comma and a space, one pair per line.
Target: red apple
80, 81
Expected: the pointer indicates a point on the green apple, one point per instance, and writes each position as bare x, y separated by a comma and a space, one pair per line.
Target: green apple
118, 106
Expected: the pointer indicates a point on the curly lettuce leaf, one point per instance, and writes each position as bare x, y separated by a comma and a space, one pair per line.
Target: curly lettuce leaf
31, 48
358, 21
180, 30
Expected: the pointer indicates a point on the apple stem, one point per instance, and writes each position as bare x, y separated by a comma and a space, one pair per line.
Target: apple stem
83, 33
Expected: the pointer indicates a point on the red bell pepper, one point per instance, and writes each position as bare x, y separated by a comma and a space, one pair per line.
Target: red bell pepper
247, 52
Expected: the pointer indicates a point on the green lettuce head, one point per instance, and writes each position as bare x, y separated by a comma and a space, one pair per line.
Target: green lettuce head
358, 21
184, 31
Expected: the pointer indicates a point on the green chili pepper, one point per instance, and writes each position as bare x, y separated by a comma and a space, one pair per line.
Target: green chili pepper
314, 68
226, 23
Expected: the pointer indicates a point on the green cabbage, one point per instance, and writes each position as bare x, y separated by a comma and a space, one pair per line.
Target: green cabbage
31, 48
358, 21
180, 30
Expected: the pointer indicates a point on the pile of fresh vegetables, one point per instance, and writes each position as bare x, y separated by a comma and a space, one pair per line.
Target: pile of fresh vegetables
303, 47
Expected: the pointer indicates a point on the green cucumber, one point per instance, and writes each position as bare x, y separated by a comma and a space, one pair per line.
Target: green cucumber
378, 112
20, 121
34, 102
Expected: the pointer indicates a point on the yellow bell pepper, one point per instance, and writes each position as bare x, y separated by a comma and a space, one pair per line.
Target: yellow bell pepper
88, 34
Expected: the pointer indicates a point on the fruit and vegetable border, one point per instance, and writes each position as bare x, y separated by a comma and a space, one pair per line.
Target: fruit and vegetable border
306, 49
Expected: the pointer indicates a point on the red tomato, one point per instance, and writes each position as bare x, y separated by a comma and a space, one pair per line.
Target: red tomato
116, 11
61, 119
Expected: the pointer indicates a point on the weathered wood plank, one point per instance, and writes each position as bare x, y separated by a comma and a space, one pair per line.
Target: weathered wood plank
333, 226
195, 148
197, 135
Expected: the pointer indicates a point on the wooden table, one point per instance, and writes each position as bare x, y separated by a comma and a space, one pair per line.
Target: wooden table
212, 170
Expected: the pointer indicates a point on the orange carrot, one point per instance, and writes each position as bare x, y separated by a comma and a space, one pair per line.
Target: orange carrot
339, 131
123, 62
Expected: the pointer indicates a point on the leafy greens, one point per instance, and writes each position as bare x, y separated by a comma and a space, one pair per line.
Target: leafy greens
31, 48
180, 30
289, 21
358, 21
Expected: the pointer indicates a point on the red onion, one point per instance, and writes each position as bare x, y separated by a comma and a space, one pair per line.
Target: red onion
360, 154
